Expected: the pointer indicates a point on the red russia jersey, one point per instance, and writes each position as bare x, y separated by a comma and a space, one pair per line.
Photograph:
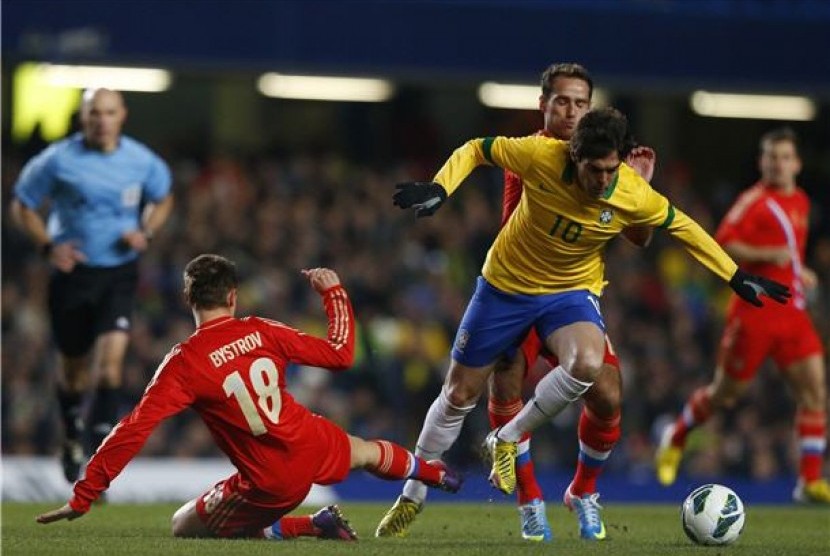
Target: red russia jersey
232, 373
513, 190
764, 217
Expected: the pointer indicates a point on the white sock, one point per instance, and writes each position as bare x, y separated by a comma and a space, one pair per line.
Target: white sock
554, 392
440, 430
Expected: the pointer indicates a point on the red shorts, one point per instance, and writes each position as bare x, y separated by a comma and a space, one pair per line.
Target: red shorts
532, 349
751, 336
235, 507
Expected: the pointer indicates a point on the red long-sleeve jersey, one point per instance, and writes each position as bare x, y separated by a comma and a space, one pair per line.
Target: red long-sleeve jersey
232, 373
764, 217
513, 190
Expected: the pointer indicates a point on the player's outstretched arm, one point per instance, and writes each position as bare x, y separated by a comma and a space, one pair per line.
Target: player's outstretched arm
427, 197
64, 512
708, 252
750, 288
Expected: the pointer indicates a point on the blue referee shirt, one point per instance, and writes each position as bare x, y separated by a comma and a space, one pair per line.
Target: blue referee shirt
95, 196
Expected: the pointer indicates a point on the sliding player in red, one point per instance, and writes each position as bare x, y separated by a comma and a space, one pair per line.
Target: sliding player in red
766, 232
232, 373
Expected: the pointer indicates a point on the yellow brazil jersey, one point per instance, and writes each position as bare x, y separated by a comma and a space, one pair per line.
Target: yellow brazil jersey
555, 239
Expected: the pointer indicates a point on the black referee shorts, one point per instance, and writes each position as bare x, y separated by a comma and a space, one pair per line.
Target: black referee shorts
90, 301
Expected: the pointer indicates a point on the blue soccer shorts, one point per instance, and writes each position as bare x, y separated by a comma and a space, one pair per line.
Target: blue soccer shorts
495, 322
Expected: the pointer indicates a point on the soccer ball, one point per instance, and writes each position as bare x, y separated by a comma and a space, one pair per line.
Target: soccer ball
713, 514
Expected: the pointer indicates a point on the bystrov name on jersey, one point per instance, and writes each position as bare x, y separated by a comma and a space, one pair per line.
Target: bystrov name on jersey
234, 349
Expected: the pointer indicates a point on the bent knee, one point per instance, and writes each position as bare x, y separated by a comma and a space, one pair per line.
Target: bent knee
186, 523
179, 527
460, 398
462, 390
587, 366
464, 385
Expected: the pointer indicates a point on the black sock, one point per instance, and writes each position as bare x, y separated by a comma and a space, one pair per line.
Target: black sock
70, 406
104, 414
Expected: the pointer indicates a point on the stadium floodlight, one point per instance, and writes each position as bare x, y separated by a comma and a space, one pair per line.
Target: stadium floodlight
522, 97
504, 95
145, 80
319, 87
756, 107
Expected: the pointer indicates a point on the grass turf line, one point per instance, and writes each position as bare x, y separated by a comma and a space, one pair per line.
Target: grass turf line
485, 528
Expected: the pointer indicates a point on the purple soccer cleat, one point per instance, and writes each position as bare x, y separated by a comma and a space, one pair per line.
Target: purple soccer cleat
332, 524
452, 479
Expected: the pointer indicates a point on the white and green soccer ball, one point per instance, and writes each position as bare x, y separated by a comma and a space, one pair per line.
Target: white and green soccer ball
713, 514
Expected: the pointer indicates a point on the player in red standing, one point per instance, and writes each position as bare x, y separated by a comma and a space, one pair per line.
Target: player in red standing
766, 232
232, 373
565, 97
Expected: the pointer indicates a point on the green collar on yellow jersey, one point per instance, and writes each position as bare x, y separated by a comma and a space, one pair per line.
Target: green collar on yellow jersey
570, 170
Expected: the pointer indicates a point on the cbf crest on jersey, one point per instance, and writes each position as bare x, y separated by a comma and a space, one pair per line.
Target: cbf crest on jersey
605, 216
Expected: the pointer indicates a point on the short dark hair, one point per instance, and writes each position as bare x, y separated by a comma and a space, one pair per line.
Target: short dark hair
575, 71
599, 133
779, 135
208, 279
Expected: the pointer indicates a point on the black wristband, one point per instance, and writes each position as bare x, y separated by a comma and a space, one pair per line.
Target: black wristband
46, 249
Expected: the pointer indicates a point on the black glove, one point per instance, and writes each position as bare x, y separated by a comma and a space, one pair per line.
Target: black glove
426, 197
750, 288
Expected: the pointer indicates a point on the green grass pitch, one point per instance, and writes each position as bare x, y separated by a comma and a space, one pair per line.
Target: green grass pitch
485, 528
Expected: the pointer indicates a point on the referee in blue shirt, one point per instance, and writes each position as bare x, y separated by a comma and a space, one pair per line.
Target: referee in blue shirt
108, 194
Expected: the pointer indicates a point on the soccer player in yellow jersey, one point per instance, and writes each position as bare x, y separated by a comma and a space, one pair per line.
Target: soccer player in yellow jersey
565, 97
545, 271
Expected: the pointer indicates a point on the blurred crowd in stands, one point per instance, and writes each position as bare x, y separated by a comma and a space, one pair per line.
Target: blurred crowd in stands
409, 281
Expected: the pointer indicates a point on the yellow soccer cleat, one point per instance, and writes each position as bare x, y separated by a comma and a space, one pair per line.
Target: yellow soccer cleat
400, 516
667, 459
503, 457
814, 492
